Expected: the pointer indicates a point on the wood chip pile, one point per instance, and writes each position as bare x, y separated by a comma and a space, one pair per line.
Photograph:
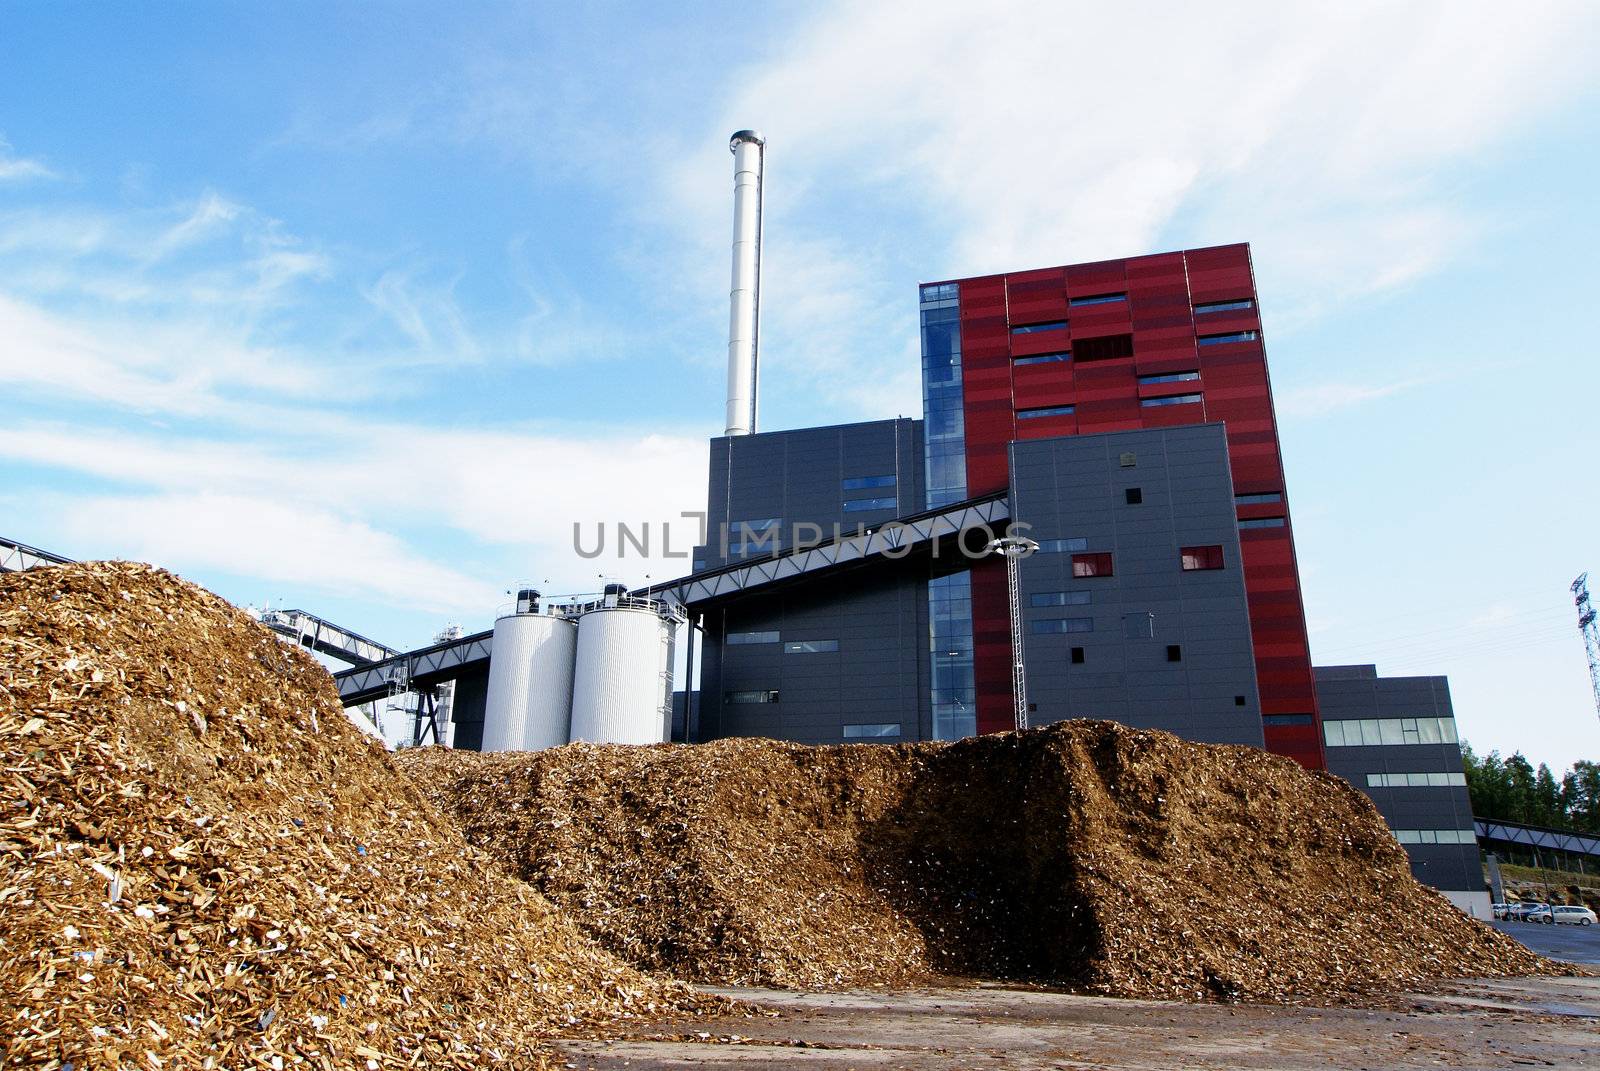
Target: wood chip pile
203, 863
1084, 854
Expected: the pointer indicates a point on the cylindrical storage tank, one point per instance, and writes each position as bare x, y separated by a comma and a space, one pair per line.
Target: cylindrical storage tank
530, 683
623, 668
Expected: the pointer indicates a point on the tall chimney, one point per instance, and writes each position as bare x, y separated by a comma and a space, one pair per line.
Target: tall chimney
744, 296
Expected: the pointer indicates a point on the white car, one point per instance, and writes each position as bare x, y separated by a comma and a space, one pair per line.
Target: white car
1573, 916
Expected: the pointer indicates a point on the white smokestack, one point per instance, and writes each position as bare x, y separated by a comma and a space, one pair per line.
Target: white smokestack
744, 297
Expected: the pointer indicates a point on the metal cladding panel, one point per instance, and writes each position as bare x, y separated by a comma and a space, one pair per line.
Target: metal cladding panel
618, 691
530, 683
1163, 333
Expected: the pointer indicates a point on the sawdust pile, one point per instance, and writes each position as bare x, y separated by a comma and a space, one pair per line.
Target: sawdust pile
1084, 854
203, 863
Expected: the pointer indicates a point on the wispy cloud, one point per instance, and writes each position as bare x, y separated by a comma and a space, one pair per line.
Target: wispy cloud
1321, 399
14, 168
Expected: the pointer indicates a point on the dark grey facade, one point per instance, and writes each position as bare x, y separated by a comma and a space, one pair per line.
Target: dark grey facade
1394, 738
1152, 644
833, 659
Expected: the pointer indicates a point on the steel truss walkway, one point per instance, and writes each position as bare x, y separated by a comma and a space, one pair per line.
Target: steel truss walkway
18, 557
926, 533
1554, 840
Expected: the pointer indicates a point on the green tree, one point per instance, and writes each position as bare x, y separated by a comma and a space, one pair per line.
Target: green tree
1580, 797
1547, 809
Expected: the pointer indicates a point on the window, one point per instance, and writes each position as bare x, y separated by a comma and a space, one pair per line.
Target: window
1170, 377
1097, 299
810, 646
1133, 495
1369, 732
1174, 652
939, 292
857, 483
1262, 522
1284, 719
1086, 565
874, 731
1077, 656
1235, 336
1028, 329
1224, 306
1059, 598
1062, 546
1105, 348
1043, 358
1435, 836
698, 565
1238, 700
1128, 461
751, 637
1172, 399
1260, 499
860, 505
1048, 411
761, 524
1195, 558
1053, 625
1431, 779
770, 696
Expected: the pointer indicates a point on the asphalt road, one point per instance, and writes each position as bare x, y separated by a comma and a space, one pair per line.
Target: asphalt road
1575, 944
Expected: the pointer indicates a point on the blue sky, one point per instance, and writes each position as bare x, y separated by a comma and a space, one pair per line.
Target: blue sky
358, 308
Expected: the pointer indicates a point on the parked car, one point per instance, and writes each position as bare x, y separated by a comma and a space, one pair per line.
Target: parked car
1573, 916
1519, 912
1500, 911
1539, 913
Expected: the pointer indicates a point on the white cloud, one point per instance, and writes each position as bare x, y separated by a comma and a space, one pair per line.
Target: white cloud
15, 168
1320, 399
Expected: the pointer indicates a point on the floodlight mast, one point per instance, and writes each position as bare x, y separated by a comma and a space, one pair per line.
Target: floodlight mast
1014, 549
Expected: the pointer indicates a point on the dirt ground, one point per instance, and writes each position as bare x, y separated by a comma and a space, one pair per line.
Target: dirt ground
1488, 1023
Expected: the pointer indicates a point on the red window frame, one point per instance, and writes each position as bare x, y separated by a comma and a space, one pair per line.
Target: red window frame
1193, 559
1092, 565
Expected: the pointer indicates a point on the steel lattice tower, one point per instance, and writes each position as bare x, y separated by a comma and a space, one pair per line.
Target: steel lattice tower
1591, 633
1013, 549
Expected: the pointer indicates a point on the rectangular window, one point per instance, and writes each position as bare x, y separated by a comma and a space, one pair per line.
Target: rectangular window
1172, 399
1369, 732
1097, 299
751, 637
1435, 836
939, 292
1224, 306
1128, 461
1028, 329
1048, 411
1087, 565
861, 505
875, 731
1277, 719
858, 483
1043, 358
810, 646
1262, 522
760, 524
1232, 336
755, 547
1062, 546
1196, 558
1174, 652
1262, 498
1054, 625
1059, 598
698, 565
1106, 348
1133, 495
770, 696
1170, 377
1077, 656
1431, 779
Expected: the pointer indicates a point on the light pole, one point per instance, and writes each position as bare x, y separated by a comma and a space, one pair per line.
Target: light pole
1014, 549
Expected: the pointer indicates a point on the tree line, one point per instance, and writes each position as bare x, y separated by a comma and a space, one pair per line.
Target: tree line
1511, 790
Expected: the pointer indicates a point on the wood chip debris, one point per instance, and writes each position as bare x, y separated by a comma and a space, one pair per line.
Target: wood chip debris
1084, 854
204, 864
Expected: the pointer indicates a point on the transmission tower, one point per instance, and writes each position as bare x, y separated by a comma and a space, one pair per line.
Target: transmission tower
1591, 633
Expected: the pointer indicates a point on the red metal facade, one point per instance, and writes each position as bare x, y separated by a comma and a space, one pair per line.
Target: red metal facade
1102, 383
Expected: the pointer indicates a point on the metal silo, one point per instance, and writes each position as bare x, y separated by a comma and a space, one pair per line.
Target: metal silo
530, 679
622, 689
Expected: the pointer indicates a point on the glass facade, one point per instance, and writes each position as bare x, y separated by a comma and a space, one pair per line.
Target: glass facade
954, 695
1372, 732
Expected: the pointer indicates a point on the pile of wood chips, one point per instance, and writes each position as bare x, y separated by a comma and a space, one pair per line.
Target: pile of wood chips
204, 864
1085, 854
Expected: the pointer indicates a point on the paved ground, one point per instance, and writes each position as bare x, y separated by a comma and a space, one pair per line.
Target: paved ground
1575, 944
1474, 1024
